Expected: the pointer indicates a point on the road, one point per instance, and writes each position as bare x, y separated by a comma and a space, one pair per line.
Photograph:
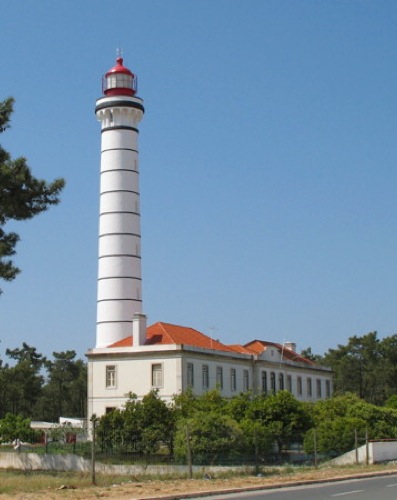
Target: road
379, 488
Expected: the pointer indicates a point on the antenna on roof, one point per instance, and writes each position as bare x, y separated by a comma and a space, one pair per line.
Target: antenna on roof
119, 51
212, 328
282, 352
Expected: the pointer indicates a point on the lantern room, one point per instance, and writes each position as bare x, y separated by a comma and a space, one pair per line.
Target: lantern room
119, 80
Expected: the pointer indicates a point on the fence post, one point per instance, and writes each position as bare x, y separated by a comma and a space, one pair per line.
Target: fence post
189, 453
356, 444
94, 421
256, 451
315, 447
366, 447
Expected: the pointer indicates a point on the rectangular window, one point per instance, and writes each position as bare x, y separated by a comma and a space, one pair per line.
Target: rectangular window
111, 376
219, 377
233, 381
246, 380
318, 388
206, 378
109, 409
273, 382
327, 389
190, 375
264, 382
289, 383
309, 387
299, 386
157, 375
281, 381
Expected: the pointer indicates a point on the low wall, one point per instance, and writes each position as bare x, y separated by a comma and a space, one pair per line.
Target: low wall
378, 451
383, 451
353, 457
33, 461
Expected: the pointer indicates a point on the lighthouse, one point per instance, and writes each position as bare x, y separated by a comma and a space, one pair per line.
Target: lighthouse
119, 292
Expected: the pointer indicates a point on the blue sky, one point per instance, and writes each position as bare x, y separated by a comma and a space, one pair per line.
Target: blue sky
268, 165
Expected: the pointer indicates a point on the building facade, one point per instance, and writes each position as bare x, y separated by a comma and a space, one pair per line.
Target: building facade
174, 358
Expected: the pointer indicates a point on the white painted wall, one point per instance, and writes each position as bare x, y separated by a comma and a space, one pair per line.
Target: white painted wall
134, 374
378, 452
33, 461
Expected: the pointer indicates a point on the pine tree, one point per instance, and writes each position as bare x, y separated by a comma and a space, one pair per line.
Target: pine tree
22, 196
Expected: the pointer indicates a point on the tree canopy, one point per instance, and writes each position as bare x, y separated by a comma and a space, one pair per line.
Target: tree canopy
22, 196
35, 387
365, 366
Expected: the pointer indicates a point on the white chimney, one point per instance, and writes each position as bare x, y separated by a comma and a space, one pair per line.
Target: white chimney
138, 329
290, 345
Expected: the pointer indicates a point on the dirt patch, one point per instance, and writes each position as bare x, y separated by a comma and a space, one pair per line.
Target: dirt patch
180, 487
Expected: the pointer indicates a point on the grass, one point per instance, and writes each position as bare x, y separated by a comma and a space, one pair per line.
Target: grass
30, 481
13, 482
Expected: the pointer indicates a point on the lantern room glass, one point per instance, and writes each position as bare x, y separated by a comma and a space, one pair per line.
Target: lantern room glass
119, 81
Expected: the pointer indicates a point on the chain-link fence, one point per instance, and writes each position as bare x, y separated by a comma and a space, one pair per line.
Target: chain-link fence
310, 451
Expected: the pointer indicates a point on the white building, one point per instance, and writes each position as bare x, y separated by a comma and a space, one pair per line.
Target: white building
128, 358
173, 358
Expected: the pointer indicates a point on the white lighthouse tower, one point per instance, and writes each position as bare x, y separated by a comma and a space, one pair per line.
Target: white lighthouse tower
119, 297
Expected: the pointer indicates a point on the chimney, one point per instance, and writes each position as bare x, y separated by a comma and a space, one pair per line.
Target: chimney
138, 329
290, 345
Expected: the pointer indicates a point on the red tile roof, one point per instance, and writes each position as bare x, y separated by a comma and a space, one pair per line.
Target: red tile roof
240, 348
127, 342
166, 333
259, 346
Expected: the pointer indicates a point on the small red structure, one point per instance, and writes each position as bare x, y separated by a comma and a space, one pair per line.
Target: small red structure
119, 80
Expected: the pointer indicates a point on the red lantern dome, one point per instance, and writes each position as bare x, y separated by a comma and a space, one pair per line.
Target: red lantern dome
119, 80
